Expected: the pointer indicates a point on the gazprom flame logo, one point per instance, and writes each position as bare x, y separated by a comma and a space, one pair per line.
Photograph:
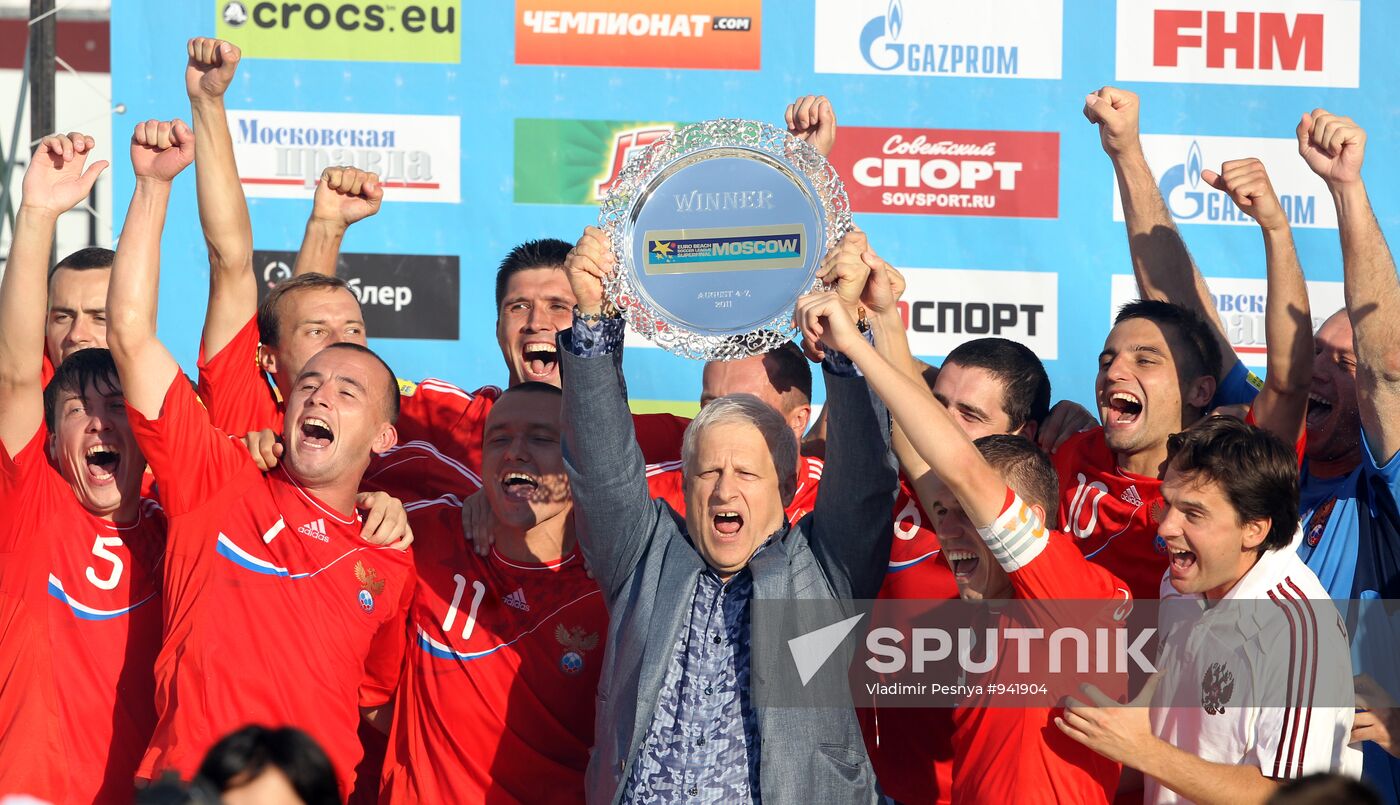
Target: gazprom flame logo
884, 29
1186, 178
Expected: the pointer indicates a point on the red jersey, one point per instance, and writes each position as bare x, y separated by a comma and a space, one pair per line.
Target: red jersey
1019, 749
79, 598
666, 480
497, 700
1111, 513
276, 612
241, 400
911, 748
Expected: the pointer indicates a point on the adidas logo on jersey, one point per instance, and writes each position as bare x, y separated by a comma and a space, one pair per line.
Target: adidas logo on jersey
517, 600
316, 529
1131, 495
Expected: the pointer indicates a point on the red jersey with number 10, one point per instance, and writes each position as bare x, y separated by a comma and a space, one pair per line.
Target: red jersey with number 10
497, 699
80, 626
276, 612
1112, 514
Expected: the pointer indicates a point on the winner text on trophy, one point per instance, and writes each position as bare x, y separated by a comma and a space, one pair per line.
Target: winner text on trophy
718, 228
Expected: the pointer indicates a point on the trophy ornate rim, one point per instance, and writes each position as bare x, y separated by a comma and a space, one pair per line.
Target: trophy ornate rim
619, 208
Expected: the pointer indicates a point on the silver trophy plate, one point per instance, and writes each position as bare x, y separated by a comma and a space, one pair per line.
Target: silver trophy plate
718, 228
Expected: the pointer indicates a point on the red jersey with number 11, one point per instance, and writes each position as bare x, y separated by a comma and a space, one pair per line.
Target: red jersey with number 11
497, 699
276, 612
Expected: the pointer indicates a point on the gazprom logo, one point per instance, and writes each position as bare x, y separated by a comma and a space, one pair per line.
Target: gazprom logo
1188, 200
884, 28
1191, 202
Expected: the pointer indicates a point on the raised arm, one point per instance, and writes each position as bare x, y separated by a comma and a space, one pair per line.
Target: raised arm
159, 151
344, 195
1161, 264
927, 424
223, 210
607, 473
1335, 147
54, 183
1283, 401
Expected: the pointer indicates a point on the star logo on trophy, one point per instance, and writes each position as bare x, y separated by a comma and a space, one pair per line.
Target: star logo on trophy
662, 249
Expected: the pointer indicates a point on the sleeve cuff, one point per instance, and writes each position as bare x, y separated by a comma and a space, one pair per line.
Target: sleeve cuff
592, 339
839, 365
1017, 537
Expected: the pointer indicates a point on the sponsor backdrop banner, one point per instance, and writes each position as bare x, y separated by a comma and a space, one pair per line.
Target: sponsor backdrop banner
962, 145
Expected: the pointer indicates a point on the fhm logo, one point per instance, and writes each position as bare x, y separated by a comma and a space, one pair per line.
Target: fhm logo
884, 28
1189, 199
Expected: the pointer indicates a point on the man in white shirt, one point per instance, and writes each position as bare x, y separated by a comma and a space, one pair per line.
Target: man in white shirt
1254, 674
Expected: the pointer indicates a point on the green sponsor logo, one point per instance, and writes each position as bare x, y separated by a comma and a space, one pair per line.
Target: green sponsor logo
733, 248
573, 161
343, 30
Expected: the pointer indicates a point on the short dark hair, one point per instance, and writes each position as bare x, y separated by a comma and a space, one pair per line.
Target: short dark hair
242, 756
1025, 387
789, 370
391, 386
269, 319
86, 369
1026, 469
1202, 356
1258, 472
541, 253
86, 259
1324, 789
532, 387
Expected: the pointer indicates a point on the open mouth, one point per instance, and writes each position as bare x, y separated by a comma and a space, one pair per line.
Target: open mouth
519, 486
1319, 408
1125, 408
963, 563
728, 523
1182, 561
102, 461
540, 360
316, 432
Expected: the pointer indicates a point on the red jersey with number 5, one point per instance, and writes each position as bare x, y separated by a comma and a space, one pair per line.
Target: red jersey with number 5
81, 626
276, 612
497, 699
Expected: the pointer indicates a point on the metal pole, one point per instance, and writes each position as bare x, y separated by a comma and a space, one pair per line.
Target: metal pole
42, 49
6, 197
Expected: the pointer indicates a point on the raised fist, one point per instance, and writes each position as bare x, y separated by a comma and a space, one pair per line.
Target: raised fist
1247, 184
1115, 112
210, 68
160, 150
845, 269
1333, 146
346, 195
588, 265
55, 181
812, 119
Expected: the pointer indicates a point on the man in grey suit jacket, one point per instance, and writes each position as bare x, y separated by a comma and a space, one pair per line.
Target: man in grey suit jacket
681, 712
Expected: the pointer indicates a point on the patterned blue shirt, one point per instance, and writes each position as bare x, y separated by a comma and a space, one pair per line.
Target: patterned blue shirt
703, 743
